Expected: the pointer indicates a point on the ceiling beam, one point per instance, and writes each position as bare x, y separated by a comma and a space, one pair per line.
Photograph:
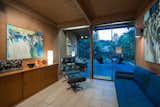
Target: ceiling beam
73, 23
126, 16
141, 11
83, 10
27, 10
144, 7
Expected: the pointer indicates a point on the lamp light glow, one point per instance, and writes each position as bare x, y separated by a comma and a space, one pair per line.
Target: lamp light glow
50, 57
73, 53
119, 50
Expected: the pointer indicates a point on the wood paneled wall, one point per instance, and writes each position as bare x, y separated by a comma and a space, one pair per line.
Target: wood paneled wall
140, 45
28, 20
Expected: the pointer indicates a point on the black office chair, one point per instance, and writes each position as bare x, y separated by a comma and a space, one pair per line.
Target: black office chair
72, 73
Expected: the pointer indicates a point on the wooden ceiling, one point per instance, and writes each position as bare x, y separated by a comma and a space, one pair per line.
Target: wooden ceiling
66, 13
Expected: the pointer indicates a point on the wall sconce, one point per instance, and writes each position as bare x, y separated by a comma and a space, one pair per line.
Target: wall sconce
139, 32
50, 57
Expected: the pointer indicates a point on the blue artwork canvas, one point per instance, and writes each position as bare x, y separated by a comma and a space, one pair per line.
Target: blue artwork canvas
152, 34
22, 43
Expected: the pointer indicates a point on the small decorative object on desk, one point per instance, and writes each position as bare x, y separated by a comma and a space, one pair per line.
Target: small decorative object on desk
31, 65
44, 62
11, 65
38, 62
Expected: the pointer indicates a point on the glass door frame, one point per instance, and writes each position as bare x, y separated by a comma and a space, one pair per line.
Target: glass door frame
128, 23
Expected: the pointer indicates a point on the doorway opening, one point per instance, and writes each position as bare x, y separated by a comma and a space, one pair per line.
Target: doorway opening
114, 49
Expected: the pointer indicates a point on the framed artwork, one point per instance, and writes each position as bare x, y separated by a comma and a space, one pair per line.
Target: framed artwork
23, 43
152, 34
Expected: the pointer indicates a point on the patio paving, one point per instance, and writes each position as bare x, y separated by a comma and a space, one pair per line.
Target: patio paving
107, 70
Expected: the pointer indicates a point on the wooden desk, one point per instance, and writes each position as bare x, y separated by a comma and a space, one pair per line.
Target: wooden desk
18, 85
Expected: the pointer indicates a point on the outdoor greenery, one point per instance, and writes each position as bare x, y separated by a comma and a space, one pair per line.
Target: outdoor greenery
105, 49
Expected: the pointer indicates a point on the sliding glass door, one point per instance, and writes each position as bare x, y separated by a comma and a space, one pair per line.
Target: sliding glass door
114, 49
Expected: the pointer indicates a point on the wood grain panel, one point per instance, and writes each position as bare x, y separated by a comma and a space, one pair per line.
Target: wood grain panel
33, 82
38, 79
10, 90
1, 93
2, 32
56, 10
91, 51
50, 75
60, 11
18, 86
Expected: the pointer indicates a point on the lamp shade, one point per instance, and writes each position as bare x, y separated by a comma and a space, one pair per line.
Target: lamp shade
50, 57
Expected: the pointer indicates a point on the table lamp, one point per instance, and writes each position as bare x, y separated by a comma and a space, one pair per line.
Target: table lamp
50, 57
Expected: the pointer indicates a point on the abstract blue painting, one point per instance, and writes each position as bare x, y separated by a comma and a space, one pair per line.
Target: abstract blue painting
152, 34
22, 43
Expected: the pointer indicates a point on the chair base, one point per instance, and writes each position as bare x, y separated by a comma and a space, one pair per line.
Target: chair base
75, 87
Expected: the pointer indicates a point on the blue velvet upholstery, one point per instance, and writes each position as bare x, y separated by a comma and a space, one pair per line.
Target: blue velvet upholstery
142, 77
141, 91
153, 90
129, 94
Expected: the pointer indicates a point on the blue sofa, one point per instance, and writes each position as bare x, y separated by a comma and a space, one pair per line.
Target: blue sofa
142, 90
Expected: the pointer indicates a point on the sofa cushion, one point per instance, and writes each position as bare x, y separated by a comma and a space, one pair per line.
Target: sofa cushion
153, 90
130, 95
142, 77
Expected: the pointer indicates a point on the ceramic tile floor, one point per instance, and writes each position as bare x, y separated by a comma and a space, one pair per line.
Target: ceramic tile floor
95, 93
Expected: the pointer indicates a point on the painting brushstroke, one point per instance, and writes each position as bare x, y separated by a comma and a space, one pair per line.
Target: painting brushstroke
22, 43
152, 34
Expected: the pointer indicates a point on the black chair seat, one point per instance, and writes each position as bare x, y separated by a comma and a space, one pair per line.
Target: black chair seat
75, 78
72, 72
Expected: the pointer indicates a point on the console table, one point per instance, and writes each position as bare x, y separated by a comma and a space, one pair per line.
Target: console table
17, 85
